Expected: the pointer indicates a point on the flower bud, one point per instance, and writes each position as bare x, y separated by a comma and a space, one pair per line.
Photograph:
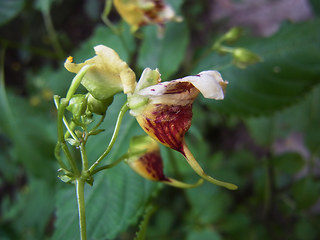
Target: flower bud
243, 57
145, 159
77, 105
232, 35
98, 106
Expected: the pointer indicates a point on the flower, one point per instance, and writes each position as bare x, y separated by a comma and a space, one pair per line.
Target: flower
164, 109
138, 13
107, 75
145, 159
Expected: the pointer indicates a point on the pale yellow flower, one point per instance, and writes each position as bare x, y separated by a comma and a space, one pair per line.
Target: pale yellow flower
107, 75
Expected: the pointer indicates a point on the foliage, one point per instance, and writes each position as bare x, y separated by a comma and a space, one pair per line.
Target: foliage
264, 136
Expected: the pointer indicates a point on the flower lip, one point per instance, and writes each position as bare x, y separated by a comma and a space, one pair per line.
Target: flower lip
183, 91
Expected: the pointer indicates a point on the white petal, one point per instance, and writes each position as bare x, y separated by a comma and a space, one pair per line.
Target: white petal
209, 83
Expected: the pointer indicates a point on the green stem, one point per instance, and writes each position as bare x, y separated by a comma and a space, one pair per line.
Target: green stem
123, 110
84, 156
58, 157
62, 107
69, 128
76, 81
81, 208
99, 123
52, 33
111, 165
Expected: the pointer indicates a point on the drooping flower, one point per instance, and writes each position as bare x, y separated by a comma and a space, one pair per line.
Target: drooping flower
107, 75
164, 109
138, 13
145, 159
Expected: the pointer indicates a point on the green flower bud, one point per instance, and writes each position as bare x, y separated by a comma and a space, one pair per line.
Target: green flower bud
98, 106
243, 57
77, 105
233, 34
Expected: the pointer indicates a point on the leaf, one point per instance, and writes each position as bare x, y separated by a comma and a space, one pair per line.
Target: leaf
210, 207
316, 6
165, 54
9, 9
143, 226
288, 162
305, 192
33, 135
32, 210
289, 70
204, 234
102, 35
118, 195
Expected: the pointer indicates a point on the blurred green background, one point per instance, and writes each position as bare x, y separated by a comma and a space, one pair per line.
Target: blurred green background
264, 137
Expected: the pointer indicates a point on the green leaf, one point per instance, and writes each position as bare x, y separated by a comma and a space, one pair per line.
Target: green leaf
204, 234
102, 35
304, 229
33, 135
118, 195
316, 6
288, 71
32, 209
211, 206
9, 9
306, 192
290, 162
165, 54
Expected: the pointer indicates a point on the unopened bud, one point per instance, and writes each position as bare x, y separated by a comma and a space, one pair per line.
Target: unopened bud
98, 106
233, 34
77, 105
243, 57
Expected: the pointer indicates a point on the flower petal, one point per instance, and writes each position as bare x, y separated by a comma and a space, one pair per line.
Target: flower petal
141, 12
209, 83
166, 123
108, 74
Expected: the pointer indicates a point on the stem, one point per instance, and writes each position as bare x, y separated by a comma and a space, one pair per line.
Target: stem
109, 165
99, 123
123, 110
76, 81
81, 208
84, 157
52, 33
198, 169
58, 157
62, 107
69, 128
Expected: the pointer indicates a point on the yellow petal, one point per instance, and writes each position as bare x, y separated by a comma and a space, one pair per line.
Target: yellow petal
141, 12
108, 74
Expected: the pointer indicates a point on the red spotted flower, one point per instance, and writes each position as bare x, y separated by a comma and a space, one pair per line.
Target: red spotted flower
164, 109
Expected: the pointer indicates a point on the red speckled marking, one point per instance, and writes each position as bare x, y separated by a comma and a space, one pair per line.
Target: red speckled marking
153, 164
153, 13
169, 124
178, 87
